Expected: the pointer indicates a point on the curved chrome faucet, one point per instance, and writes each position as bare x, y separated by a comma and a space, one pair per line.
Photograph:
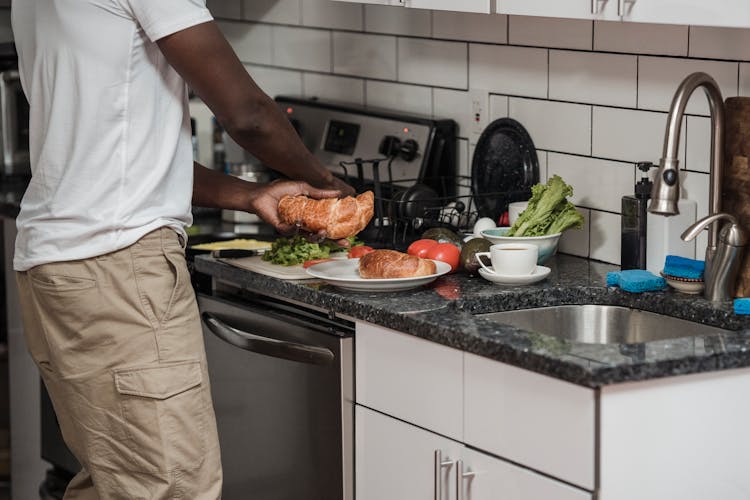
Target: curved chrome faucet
666, 190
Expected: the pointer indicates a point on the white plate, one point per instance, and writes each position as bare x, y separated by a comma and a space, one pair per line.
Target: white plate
691, 287
345, 274
539, 274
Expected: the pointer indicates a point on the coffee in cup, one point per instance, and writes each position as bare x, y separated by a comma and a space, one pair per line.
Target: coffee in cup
511, 259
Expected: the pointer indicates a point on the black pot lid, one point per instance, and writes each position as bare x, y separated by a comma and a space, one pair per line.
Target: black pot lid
503, 168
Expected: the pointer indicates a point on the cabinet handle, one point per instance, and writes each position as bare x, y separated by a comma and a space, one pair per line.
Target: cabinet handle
594, 6
440, 464
460, 476
620, 7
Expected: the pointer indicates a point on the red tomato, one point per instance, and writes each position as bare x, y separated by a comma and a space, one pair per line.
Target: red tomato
359, 251
421, 247
445, 252
504, 221
312, 262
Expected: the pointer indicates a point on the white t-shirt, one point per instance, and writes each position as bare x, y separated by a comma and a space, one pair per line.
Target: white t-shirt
111, 156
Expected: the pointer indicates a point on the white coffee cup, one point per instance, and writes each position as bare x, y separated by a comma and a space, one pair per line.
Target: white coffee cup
515, 209
511, 259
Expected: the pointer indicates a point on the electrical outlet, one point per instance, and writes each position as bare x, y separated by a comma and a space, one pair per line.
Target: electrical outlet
479, 109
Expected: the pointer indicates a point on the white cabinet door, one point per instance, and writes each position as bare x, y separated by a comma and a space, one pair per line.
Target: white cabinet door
731, 13
494, 479
577, 9
397, 461
377, 2
479, 6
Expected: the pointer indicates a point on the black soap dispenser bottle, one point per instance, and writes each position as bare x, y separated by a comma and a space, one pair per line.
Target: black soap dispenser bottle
633, 224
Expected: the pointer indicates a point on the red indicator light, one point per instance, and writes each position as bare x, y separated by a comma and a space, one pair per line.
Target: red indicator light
289, 111
406, 130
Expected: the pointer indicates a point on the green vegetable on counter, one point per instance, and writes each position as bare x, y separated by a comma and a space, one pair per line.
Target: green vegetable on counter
549, 211
296, 250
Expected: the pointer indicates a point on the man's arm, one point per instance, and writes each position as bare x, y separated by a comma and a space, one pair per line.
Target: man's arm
203, 57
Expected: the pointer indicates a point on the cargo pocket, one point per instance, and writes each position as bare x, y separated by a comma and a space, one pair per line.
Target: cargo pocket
164, 410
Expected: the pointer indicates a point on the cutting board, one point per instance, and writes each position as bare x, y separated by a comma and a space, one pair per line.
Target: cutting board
258, 265
735, 198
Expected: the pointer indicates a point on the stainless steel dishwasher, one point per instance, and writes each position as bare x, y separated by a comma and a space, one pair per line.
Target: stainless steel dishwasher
282, 382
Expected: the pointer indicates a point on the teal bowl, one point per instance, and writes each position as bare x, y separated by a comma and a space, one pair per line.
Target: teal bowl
547, 244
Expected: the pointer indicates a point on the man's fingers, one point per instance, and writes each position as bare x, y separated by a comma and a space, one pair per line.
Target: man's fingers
320, 194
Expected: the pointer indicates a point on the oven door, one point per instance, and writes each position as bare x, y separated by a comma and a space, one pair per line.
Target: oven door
281, 386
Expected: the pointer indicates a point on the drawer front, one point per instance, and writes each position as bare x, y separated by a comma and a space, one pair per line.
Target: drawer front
537, 421
410, 378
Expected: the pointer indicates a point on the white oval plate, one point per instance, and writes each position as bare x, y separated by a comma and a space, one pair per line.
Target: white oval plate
539, 274
345, 274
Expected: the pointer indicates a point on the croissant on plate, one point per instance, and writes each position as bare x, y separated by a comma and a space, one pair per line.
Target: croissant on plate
393, 264
339, 217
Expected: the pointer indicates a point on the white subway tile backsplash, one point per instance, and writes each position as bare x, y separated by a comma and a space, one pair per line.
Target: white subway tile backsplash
226, 9
490, 28
275, 81
385, 19
557, 126
597, 184
593, 78
272, 11
302, 48
508, 70
399, 97
334, 88
366, 56
453, 104
550, 32
498, 106
334, 15
638, 38
432, 62
744, 79
694, 186
659, 77
698, 144
463, 168
605, 237
576, 241
720, 43
251, 42
631, 135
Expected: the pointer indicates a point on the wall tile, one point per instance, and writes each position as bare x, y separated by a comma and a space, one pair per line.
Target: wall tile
490, 28
576, 241
598, 184
744, 79
593, 78
659, 77
432, 62
698, 144
334, 15
498, 107
368, 56
454, 104
464, 170
557, 126
275, 81
334, 88
508, 70
227, 9
550, 32
251, 42
384, 19
302, 48
631, 135
399, 97
273, 11
694, 186
605, 237
720, 43
638, 38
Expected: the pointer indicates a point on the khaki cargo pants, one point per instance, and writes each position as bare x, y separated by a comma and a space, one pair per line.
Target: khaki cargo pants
118, 342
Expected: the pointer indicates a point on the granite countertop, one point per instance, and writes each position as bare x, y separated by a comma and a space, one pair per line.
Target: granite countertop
444, 312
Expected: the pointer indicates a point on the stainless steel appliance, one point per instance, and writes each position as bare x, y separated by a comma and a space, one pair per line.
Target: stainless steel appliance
14, 125
281, 380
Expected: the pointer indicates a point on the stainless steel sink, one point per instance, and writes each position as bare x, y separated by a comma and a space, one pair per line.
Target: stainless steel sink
597, 324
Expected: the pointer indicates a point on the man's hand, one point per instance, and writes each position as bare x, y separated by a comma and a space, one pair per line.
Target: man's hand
265, 204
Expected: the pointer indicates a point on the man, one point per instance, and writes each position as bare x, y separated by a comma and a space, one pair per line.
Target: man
109, 314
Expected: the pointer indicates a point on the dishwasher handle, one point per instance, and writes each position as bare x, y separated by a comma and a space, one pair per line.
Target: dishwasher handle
267, 346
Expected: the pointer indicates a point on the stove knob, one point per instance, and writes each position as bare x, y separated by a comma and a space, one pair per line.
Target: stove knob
390, 146
408, 150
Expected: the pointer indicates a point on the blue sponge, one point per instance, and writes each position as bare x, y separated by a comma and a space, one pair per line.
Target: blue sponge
681, 267
742, 306
636, 280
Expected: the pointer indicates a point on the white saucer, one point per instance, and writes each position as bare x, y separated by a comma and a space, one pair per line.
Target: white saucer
539, 274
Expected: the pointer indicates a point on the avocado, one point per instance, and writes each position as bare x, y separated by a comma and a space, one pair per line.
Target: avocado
467, 260
442, 235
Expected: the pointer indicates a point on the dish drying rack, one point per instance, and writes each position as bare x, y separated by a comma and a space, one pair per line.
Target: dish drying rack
406, 208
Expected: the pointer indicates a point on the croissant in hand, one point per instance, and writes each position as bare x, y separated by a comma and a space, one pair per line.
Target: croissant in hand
339, 218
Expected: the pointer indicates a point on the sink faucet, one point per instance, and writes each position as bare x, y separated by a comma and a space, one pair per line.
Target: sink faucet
666, 190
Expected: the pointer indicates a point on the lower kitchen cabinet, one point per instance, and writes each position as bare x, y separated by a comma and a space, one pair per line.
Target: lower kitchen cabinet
398, 461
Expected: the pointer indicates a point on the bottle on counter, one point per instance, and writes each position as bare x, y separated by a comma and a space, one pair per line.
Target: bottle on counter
634, 222
663, 236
